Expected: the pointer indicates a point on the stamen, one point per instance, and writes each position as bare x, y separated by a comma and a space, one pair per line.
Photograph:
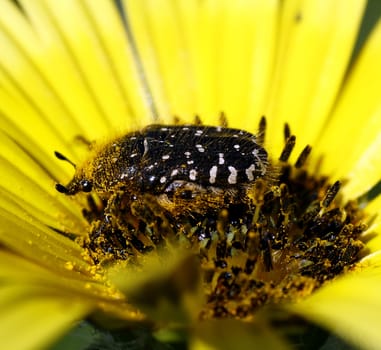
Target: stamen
266, 252
369, 195
331, 194
257, 196
287, 132
223, 120
303, 156
288, 147
197, 120
262, 130
252, 244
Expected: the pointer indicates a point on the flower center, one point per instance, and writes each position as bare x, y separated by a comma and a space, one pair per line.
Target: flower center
283, 238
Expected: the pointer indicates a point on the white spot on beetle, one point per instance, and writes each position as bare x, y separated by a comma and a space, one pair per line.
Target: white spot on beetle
133, 155
174, 172
198, 133
221, 159
232, 179
213, 174
187, 154
165, 157
145, 144
193, 174
237, 147
249, 172
200, 148
163, 179
189, 162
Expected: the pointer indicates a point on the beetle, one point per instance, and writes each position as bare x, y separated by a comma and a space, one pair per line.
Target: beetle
163, 158
151, 181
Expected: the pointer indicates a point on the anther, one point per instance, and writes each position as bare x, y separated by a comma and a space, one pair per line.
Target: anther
223, 120
197, 120
286, 132
331, 194
288, 147
262, 130
266, 252
252, 244
369, 195
176, 120
222, 223
303, 156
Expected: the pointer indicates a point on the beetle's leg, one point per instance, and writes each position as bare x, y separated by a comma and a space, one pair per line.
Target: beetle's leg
95, 210
154, 220
136, 224
82, 140
107, 239
106, 242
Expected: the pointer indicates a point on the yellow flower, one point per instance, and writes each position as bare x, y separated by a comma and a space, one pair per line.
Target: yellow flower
75, 70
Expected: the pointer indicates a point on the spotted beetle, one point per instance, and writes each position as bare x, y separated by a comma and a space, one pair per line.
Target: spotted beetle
161, 158
151, 181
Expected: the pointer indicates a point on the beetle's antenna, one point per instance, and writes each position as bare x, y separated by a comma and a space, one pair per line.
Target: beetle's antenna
61, 188
60, 156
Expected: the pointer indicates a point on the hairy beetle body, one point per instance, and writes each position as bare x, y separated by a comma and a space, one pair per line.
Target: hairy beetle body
160, 158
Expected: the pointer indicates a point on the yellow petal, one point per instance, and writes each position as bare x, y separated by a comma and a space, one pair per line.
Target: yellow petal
349, 306
30, 318
353, 132
27, 185
373, 238
166, 289
26, 92
316, 41
233, 334
365, 171
48, 75
237, 54
195, 54
33, 240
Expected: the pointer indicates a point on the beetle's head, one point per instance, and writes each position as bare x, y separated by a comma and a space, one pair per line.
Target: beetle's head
78, 184
81, 182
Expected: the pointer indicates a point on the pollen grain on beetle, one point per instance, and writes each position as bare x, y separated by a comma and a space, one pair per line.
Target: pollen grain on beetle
265, 230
